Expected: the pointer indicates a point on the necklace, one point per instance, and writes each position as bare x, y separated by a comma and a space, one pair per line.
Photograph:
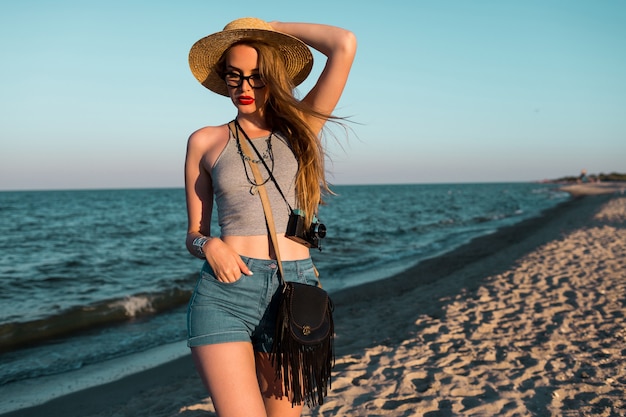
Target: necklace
268, 154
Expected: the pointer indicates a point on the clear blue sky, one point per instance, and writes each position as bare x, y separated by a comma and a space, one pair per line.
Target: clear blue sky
98, 94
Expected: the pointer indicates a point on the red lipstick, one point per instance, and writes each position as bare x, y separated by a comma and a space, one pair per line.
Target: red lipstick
245, 100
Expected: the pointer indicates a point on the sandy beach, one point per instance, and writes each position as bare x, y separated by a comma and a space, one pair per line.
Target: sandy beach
528, 321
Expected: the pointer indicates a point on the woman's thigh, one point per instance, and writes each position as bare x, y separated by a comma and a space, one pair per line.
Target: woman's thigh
242, 382
228, 372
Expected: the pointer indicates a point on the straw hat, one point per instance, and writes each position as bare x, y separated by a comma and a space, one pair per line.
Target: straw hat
207, 51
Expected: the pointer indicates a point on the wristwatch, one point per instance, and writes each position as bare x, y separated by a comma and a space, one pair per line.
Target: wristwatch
198, 243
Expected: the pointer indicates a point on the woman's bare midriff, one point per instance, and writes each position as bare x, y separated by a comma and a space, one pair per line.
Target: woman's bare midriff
260, 247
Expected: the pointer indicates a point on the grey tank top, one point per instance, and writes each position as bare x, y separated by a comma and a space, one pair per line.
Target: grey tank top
239, 212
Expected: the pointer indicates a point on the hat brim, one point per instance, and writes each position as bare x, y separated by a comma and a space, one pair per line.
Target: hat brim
206, 52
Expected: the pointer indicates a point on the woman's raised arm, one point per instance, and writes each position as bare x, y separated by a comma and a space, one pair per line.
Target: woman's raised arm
339, 47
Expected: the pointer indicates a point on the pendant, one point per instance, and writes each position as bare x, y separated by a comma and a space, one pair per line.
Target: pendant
254, 189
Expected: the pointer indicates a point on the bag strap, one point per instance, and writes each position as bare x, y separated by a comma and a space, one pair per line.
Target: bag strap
269, 217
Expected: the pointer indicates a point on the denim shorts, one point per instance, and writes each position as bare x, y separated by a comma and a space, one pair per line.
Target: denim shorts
244, 310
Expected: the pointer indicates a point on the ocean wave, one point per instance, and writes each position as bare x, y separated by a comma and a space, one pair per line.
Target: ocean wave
135, 305
17, 334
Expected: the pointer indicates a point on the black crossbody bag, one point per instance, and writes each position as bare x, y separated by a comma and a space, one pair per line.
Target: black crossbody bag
303, 349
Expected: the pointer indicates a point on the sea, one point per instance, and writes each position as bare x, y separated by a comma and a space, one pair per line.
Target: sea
94, 283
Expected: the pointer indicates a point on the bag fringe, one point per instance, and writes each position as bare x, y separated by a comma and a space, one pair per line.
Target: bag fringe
304, 369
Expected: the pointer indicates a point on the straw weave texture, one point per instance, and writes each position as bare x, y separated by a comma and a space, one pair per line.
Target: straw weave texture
207, 51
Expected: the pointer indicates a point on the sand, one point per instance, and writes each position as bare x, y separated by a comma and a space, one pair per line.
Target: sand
595, 188
528, 321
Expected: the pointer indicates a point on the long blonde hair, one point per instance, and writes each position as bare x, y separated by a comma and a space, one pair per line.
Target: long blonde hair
286, 113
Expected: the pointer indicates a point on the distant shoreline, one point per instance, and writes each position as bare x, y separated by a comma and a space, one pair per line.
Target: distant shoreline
181, 188
595, 188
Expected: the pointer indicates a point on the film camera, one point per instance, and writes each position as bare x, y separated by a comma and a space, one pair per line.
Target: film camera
296, 230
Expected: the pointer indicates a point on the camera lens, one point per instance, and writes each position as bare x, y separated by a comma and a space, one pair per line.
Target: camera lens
319, 230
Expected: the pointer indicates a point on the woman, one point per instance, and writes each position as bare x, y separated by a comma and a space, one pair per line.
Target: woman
231, 315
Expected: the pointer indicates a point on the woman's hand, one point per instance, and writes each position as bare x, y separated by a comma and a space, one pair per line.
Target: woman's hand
227, 265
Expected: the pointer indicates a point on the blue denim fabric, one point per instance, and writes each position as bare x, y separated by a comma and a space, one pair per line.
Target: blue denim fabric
245, 310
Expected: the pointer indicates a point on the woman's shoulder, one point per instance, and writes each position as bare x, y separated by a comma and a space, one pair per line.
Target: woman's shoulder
208, 132
208, 136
